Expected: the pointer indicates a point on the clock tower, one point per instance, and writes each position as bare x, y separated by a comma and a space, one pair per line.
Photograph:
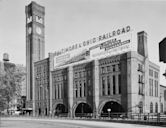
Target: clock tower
35, 44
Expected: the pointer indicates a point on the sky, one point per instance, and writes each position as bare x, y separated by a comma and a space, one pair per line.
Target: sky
73, 21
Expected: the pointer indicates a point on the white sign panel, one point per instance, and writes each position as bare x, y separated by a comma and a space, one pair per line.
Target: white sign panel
117, 45
69, 57
108, 44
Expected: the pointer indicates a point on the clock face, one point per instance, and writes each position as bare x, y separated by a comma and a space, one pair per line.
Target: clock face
38, 30
29, 30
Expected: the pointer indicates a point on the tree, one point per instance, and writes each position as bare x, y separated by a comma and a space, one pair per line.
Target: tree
11, 77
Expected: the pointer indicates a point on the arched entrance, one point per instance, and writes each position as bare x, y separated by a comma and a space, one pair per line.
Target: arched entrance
60, 110
83, 110
110, 108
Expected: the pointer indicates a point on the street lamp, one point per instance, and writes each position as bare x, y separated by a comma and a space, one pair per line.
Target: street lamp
109, 110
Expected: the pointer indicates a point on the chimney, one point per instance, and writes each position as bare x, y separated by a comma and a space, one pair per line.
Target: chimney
142, 48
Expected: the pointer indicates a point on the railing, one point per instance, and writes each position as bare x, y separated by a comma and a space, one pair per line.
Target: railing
144, 117
85, 115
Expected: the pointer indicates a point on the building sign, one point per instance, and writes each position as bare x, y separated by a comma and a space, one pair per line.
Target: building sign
117, 45
70, 57
115, 42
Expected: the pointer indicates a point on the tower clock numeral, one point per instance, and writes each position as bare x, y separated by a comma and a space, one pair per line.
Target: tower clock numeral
29, 19
39, 19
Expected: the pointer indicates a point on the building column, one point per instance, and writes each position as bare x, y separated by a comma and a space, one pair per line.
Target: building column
78, 89
51, 67
70, 90
33, 92
57, 91
96, 90
82, 88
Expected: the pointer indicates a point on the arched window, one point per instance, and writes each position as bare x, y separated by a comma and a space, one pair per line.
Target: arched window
151, 107
156, 108
161, 107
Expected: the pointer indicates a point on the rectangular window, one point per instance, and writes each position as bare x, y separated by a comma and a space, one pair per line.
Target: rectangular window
149, 87
54, 91
89, 83
38, 93
113, 68
119, 68
139, 91
75, 75
41, 94
62, 91
84, 89
152, 87
114, 84
89, 73
141, 87
156, 88
151, 72
156, 75
83, 74
138, 67
119, 80
57, 91
76, 89
142, 80
103, 70
108, 68
139, 78
108, 84
103, 86
80, 74
80, 89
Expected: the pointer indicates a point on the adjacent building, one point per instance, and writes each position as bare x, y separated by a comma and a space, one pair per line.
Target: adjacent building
42, 89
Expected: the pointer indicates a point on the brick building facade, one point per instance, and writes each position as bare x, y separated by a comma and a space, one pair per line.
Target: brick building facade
127, 82
121, 82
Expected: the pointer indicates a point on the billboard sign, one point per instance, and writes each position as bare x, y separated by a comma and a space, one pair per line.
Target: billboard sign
117, 45
111, 43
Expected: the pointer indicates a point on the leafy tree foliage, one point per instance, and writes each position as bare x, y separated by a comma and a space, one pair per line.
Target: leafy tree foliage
11, 77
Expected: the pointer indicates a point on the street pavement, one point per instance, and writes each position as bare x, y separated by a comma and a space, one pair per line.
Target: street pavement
18, 122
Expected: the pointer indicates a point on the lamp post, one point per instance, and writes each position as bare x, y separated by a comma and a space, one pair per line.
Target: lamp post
109, 111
